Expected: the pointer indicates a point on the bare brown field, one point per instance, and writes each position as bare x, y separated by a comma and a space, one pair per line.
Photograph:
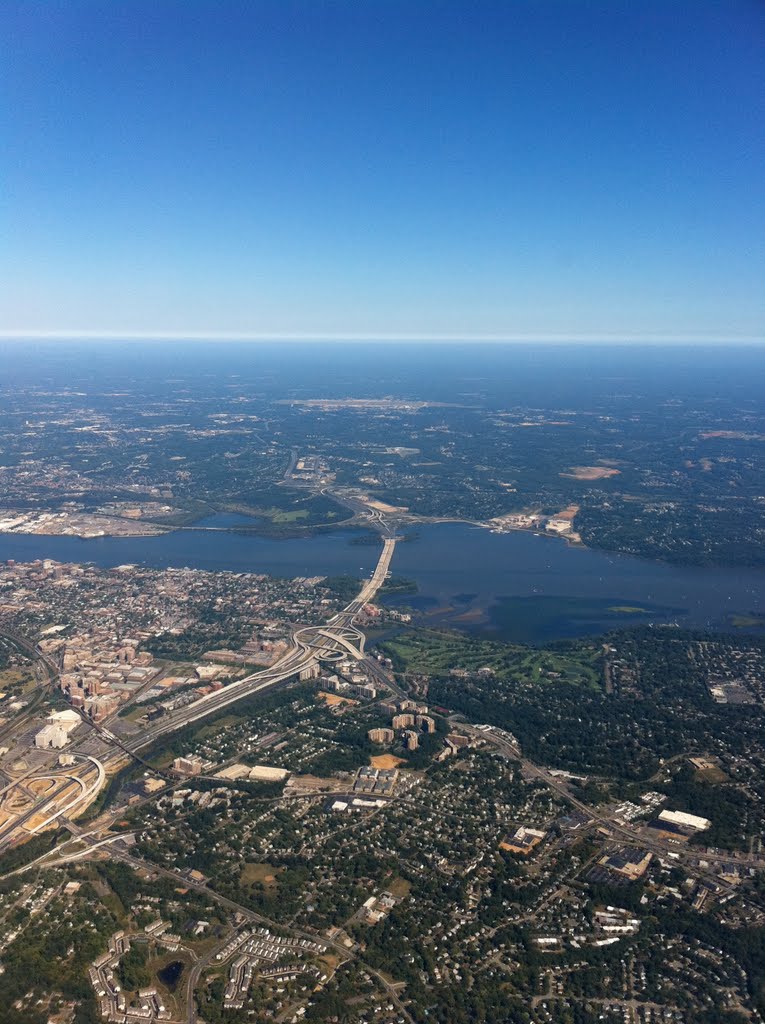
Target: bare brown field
334, 699
738, 435
308, 784
41, 786
386, 761
363, 404
16, 802
567, 513
382, 506
591, 472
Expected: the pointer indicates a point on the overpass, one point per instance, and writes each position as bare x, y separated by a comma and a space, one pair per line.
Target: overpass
53, 805
337, 638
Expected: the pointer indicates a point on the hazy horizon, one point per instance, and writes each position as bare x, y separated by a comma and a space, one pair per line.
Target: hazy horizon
402, 339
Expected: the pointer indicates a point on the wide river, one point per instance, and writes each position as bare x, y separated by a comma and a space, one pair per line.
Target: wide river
521, 586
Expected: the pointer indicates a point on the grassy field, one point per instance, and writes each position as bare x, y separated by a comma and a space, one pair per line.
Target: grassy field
217, 726
714, 776
261, 873
16, 679
399, 887
277, 515
747, 621
282, 508
439, 652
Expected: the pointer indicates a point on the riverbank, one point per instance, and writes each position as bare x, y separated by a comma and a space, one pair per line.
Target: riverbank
517, 585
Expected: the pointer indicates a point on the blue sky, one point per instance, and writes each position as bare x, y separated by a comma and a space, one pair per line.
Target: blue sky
375, 167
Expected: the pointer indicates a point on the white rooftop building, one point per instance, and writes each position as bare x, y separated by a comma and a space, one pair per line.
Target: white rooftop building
267, 773
51, 737
689, 820
67, 720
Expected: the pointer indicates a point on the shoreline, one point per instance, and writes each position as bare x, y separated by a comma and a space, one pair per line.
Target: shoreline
353, 525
